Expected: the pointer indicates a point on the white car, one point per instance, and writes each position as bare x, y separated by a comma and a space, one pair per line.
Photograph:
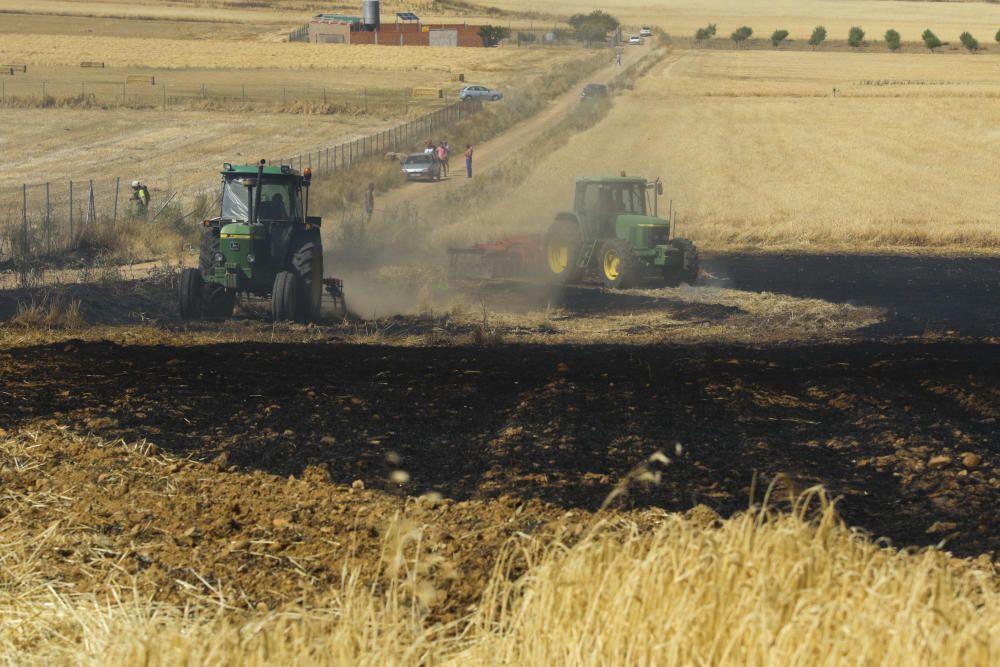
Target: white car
483, 92
646, 31
635, 39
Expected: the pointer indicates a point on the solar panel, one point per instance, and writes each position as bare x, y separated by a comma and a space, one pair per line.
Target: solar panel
408, 16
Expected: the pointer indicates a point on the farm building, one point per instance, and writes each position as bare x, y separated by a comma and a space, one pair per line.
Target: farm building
406, 30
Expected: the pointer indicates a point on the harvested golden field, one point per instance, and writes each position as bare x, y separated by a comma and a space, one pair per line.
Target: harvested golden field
683, 17
171, 150
181, 53
756, 152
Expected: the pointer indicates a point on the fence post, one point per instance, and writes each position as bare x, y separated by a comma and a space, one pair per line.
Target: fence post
164, 96
366, 100
24, 219
48, 220
71, 212
114, 215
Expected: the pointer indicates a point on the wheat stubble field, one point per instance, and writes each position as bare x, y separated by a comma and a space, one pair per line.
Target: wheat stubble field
792, 463
757, 152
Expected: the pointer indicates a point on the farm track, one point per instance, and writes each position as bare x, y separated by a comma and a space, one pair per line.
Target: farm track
276, 441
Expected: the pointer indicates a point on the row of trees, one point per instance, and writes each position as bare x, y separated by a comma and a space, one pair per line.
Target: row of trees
855, 37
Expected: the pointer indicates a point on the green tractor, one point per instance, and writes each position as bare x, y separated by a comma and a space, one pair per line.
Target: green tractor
614, 230
264, 243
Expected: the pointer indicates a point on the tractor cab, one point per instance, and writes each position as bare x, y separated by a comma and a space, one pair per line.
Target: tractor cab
623, 207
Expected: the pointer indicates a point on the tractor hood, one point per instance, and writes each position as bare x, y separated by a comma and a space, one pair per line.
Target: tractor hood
642, 231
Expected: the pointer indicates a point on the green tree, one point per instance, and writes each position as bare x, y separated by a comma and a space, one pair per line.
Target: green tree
931, 40
969, 42
606, 20
818, 36
701, 34
778, 36
856, 37
492, 34
892, 40
590, 32
998, 36
741, 34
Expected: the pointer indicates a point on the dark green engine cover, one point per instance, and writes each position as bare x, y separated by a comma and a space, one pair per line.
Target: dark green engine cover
242, 246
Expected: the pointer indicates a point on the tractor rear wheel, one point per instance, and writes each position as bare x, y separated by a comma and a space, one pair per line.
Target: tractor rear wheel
307, 263
687, 272
189, 294
285, 296
561, 251
618, 264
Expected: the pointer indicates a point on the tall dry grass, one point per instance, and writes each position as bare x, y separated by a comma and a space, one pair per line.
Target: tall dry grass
763, 587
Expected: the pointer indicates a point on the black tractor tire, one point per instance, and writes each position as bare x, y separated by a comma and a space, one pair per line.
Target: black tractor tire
617, 264
190, 288
206, 252
561, 251
307, 264
688, 271
285, 297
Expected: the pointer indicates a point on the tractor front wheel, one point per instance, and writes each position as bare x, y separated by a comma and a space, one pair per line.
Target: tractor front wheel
285, 297
562, 251
189, 294
688, 271
618, 264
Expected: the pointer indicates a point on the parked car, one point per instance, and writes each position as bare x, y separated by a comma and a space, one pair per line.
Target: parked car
423, 166
594, 90
635, 39
646, 31
483, 92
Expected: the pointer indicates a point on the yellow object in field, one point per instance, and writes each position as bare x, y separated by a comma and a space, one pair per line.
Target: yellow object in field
428, 93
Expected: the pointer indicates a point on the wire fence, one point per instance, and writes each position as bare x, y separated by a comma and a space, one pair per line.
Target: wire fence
45, 219
153, 92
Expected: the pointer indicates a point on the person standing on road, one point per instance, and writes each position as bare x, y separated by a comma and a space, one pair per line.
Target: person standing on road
447, 155
369, 202
442, 156
468, 160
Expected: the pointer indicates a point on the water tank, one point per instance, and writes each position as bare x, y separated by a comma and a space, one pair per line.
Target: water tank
370, 14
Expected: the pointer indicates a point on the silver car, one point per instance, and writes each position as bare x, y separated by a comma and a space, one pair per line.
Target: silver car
423, 166
482, 92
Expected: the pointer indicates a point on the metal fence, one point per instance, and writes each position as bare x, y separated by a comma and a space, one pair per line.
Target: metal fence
153, 92
39, 219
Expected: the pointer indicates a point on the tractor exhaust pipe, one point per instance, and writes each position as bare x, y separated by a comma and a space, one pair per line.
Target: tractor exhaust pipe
255, 213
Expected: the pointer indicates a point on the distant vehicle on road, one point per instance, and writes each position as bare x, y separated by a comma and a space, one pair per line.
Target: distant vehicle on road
423, 166
482, 92
635, 39
594, 90
646, 31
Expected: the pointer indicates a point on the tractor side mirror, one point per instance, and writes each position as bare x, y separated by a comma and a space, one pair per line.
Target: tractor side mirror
659, 187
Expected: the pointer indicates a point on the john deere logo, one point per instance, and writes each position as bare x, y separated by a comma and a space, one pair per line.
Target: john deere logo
234, 245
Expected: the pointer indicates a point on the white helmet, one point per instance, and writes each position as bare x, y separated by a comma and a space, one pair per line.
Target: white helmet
135, 184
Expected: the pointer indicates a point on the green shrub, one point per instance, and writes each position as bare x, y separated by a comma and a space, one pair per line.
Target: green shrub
969, 42
526, 37
492, 34
931, 40
778, 36
741, 34
701, 34
892, 40
818, 36
856, 37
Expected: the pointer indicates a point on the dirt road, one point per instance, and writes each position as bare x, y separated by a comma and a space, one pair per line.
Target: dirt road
489, 155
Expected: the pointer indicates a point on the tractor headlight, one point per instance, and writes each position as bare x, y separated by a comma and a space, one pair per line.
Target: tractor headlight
219, 257
251, 258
